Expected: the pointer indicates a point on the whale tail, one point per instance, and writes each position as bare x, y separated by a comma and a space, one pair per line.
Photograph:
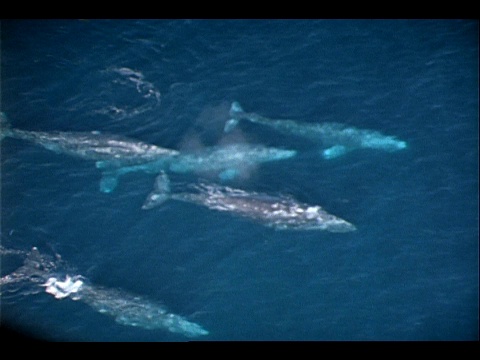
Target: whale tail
161, 192
236, 110
236, 113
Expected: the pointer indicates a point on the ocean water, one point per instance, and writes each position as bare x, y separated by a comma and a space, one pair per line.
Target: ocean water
409, 271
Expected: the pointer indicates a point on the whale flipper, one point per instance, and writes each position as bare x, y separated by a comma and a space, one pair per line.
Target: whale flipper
230, 125
109, 181
334, 152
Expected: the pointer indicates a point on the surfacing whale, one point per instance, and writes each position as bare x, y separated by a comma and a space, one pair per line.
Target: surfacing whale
337, 139
113, 150
224, 161
40, 272
278, 212
109, 151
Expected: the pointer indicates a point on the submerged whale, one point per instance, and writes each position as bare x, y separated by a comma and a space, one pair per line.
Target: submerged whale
40, 272
278, 212
109, 151
226, 161
337, 139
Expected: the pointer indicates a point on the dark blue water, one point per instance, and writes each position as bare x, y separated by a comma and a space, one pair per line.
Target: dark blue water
410, 271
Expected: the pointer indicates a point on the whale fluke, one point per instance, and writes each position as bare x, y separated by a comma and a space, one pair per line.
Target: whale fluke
160, 193
236, 113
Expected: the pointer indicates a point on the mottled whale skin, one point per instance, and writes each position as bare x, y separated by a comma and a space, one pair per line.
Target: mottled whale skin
110, 152
226, 161
225, 157
278, 212
111, 149
116, 155
44, 273
336, 139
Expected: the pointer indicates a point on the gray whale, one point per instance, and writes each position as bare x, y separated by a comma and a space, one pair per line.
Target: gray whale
225, 161
278, 212
41, 272
336, 139
112, 149
108, 151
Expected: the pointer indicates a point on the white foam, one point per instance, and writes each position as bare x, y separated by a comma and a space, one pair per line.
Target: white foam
62, 289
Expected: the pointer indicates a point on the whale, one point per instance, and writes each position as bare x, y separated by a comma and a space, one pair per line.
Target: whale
125, 308
228, 159
226, 162
41, 272
107, 150
336, 139
113, 150
277, 212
